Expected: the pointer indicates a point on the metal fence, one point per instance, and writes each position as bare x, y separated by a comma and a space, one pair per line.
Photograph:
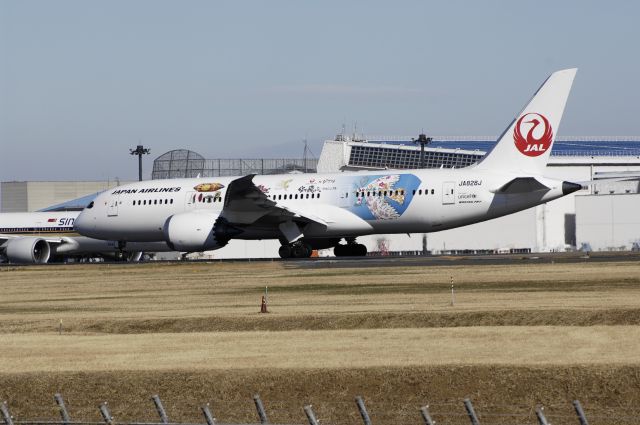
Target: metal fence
422, 415
187, 164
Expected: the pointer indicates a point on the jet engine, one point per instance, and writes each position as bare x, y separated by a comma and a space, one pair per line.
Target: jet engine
28, 249
197, 231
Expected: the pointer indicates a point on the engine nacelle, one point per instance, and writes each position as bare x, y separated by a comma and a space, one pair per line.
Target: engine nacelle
197, 231
28, 249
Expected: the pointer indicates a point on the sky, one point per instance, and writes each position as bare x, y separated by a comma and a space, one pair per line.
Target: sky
82, 82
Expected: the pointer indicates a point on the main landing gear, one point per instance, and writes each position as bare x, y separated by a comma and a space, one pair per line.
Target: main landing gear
351, 249
295, 250
304, 248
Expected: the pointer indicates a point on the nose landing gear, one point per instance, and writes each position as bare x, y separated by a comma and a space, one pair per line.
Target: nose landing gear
295, 250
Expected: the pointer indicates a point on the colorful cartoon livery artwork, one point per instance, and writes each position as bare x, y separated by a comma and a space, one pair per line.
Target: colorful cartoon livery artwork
208, 187
203, 188
383, 197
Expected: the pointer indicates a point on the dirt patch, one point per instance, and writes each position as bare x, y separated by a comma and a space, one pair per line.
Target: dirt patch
629, 317
610, 395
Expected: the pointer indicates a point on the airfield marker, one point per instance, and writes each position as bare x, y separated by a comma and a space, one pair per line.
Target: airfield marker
453, 297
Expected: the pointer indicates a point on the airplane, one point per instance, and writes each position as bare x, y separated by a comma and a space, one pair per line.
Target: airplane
38, 237
317, 211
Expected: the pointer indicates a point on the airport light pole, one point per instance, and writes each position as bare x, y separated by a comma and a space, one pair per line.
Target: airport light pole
423, 140
139, 150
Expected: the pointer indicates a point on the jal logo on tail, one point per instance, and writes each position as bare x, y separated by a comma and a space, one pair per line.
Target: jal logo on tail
537, 125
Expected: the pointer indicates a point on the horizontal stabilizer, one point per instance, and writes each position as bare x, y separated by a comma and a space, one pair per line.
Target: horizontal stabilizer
522, 185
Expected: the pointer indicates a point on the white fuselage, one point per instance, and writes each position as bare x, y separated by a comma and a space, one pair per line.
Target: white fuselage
58, 229
38, 223
351, 204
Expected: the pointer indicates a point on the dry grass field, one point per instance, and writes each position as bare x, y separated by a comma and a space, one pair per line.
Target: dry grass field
518, 335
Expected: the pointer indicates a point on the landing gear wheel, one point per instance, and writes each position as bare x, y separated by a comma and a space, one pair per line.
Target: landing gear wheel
350, 250
285, 251
300, 251
296, 250
342, 251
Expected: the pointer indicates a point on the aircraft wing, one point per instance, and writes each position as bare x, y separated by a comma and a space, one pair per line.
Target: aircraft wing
245, 203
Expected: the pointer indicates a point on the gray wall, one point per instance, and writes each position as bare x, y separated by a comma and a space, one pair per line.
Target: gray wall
13, 197
608, 221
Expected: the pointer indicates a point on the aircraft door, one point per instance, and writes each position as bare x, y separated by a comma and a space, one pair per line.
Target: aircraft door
448, 193
191, 199
344, 196
112, 206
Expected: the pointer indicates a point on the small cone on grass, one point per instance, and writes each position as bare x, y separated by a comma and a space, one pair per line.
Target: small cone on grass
263, 306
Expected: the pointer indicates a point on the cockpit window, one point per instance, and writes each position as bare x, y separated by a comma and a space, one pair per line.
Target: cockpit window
90, 205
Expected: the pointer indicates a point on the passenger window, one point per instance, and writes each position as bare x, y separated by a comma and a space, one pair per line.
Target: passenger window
432, 191
385, 193
155, 202
318, 196
171, 201
402, 192
414, 192
420, 192
307, 196
144, 202
380, 193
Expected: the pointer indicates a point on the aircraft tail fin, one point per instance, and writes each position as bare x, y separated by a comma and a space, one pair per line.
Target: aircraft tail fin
525, 145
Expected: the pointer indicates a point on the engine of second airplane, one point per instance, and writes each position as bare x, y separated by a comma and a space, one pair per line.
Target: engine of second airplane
196, 231
28, 249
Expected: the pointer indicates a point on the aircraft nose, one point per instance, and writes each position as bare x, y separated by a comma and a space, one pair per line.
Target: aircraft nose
79, 223
84, 223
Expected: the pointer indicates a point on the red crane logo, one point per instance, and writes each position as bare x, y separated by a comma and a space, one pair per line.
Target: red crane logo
530, 145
